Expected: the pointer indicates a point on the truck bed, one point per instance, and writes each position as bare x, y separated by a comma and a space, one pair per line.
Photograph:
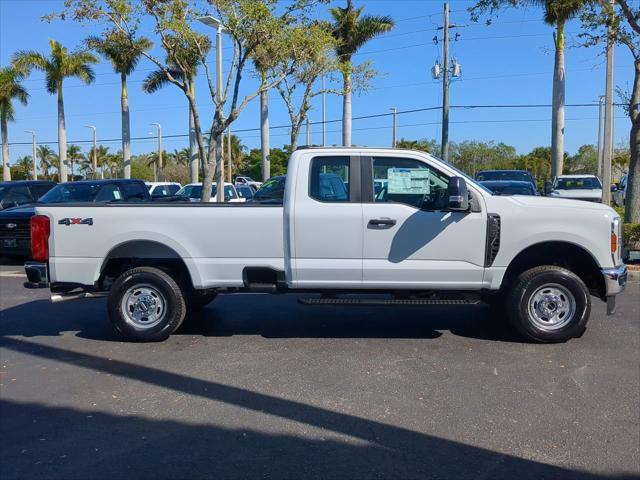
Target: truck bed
216, 241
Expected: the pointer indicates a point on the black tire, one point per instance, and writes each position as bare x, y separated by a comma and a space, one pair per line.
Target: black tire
198, 299
160, 287
550, 283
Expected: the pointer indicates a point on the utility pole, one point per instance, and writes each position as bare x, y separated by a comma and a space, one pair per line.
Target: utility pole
308, 131
35, 160
600, 108
608, 121
395, 126
159, 166
324, 114
94, 156
445, 88
445, 71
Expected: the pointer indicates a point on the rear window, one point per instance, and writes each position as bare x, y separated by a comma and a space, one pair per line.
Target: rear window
134, 191
71, 192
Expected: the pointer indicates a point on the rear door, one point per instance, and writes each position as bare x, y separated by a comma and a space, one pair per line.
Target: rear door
410, 238
326, 251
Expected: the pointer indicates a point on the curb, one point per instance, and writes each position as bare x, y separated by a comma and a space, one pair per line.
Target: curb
633, 273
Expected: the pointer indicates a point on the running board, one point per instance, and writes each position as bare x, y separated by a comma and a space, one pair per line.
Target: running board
387, 301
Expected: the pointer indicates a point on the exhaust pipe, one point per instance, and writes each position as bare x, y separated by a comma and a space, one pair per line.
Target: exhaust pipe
64, 297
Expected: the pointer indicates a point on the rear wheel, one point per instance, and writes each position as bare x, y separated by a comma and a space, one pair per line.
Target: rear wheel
549, 304
146, 304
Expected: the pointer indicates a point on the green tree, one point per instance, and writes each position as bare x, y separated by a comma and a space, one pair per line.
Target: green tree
60, 64
75, 157
46, 157
584, 161
124, 55
23, 168
10, 89
102, 159
351, 31
279, 157
184, 69
424, 145
621, 24
556, 13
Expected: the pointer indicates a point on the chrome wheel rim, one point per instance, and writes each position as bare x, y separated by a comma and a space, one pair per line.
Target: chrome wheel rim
143, 306
552, 307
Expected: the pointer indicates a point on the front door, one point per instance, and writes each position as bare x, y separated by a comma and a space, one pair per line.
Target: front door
410, 239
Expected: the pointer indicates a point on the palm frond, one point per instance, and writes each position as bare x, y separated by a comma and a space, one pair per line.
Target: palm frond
26, 60
157, 79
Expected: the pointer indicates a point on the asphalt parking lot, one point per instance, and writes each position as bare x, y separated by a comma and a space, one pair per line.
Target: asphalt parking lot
263, 387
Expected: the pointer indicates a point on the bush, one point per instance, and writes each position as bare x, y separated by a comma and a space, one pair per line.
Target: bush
631, 236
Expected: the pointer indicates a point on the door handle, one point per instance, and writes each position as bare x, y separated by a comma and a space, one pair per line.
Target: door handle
382, 221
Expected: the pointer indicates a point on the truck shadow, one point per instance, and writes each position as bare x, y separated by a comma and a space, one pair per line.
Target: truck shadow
43, 441
266, 316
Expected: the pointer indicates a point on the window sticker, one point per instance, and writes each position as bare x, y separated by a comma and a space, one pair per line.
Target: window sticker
409, 181
116, 194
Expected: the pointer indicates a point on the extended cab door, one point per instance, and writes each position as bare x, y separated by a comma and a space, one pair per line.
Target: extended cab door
410, 239
325, 219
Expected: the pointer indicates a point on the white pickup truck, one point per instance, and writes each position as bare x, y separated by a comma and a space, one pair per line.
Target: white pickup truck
428, 235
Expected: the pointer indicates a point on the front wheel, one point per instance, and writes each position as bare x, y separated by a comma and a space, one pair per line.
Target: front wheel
146, 304
549, 304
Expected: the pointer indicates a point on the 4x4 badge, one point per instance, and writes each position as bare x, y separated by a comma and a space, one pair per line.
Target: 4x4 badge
75, 221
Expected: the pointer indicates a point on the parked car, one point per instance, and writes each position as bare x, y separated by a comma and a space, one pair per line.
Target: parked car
271, 191
432, 236
577, 187
163, 189
247, 181
22, 192
619, 195
510, 187
246, 192
504, 175
15, 238
193, 192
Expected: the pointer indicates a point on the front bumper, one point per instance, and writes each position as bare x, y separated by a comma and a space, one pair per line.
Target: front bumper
615, 280
37, 275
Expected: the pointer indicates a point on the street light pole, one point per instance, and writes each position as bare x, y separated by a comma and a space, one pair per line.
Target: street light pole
33, 145
324, 113
308, 131
159, 167
445, 88
395, 126
229, 160
94, 159
608, 121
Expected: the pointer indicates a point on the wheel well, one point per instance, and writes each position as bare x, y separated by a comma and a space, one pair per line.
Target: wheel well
562, 254
143, 253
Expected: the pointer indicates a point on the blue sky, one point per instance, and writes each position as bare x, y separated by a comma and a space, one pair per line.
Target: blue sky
509, 62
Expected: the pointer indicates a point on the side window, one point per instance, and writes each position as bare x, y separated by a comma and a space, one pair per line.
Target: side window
134, 191
408, 181
329, 179
18, 195
172, 189
108, 193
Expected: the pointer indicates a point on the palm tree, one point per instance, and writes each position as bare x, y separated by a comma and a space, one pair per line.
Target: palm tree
124, 55
59, 65
157, 79
102, 157
10, 88
46, 156
352, 31
75, 156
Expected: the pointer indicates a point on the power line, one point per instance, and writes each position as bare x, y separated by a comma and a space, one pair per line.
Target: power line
362, 117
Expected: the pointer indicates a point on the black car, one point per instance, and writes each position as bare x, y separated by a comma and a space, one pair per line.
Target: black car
271, 191
507, 175
15, 230
510, 187
21, 192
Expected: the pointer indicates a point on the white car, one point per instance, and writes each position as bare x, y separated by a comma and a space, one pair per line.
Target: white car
577, 187
248, 181
163, 189
433, 236
193, 191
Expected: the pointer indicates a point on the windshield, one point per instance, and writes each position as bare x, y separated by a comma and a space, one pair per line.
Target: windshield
504, 175
195, 192
3, 189
512, 190
578, 183
71, 192
272, 189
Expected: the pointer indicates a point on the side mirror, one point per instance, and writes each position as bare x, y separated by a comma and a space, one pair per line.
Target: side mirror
614, 188
548, 187
458, 194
